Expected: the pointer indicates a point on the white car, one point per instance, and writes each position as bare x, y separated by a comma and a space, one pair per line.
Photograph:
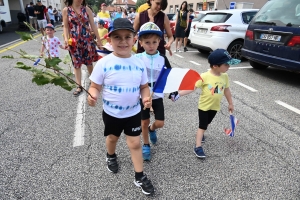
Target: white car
222, 29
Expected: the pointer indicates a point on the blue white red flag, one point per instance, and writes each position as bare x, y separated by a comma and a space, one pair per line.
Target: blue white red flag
233, 122
174, 79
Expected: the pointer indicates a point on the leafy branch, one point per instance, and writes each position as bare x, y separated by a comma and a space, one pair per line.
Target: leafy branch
50, 73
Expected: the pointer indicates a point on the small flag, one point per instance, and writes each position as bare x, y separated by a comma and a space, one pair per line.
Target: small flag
174, 79
233, 122
36, 62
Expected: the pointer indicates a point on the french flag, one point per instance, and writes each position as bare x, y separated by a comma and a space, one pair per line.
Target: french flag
174, 79
233, 122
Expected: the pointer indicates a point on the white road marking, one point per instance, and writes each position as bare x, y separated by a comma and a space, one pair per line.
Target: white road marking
194, 63
245, 86
178, 55
80, 118
288, 106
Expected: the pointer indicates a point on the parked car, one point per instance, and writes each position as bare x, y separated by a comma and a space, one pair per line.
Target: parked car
273, 36
222, 29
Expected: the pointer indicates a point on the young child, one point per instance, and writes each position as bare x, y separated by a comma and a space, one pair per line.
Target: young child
102, 31
214, 85
149, 38
50, 42
122, 78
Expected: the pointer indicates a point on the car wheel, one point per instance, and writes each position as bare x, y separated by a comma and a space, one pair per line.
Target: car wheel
256, 65
235, 50
203, 51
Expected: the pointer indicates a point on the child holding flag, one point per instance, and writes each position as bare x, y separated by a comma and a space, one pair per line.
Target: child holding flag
214, 85
122, 78
149, 38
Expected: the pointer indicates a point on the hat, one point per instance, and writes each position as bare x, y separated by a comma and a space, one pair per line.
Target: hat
150, 28
50, 26
221, 56
103, 4
101, 22
120, 24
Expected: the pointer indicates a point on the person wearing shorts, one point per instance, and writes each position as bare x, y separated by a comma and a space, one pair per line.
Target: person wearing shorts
42, 15
32, 16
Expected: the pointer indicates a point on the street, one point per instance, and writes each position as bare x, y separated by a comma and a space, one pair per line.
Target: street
52, 144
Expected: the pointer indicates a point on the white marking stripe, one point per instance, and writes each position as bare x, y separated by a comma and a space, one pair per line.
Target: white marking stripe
80, 118
178, 56
194, 63
173, 77
288, 107
245, 86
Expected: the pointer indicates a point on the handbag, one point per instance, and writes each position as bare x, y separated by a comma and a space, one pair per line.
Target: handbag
182, 22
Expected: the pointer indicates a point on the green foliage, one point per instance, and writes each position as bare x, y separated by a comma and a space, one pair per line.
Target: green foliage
25, 36
139, 3
11, 57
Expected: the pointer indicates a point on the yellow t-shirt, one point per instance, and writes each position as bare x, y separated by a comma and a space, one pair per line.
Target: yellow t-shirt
102, 32
102, 15
212, 90
143, 7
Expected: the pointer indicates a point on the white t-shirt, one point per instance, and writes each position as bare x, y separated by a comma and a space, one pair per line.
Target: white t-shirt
121, 79
52, 45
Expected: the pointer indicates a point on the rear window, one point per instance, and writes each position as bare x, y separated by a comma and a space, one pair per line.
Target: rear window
199, 16
216, 17
248, 16
279, 13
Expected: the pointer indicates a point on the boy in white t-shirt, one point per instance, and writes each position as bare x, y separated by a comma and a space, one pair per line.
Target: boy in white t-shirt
50, 42
122, 79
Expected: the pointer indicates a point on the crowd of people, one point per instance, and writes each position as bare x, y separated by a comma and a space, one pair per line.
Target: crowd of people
125, 81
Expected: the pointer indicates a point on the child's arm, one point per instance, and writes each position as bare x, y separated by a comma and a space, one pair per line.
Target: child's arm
145, 94
227, 94
62, 47
94, 90
174, 96
42, 49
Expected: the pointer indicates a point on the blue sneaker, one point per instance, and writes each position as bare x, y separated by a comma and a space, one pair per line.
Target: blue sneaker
153, 137
203, 139
199, 152
146, 153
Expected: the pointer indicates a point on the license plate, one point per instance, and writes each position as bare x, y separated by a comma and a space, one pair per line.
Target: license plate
270, 37
202, 30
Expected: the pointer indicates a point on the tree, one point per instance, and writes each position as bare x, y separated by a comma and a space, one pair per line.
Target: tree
139, 3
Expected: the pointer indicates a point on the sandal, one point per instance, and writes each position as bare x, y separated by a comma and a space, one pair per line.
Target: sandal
77, 92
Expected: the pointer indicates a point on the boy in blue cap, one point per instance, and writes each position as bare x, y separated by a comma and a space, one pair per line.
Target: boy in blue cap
214, 84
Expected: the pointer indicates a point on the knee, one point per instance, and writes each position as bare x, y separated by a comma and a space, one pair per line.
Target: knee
159, 124
134, 144
145, 123
112, 139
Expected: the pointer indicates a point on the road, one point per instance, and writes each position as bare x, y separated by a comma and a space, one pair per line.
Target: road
52, 144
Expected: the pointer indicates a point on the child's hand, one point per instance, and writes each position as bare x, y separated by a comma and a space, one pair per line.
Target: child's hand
147, 102
92, 101
174, 96
230, 108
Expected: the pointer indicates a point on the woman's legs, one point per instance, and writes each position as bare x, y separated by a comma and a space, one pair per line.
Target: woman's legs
180, 42
176, 44
90, 69
77, 72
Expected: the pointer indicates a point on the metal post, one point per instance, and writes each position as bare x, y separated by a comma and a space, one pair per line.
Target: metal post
22, 6
216, 5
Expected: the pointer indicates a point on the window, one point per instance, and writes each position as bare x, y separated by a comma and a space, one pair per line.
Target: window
191, 6
216, 17
247, 16
211, 6
199, 6
176, 8
171, 9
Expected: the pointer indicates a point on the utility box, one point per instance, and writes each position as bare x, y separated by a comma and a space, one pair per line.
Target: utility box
244, 5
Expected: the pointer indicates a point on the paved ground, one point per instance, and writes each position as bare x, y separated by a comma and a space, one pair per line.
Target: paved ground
38, 124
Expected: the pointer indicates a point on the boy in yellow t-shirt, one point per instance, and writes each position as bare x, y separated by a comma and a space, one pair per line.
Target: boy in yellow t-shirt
102, 31
214, 85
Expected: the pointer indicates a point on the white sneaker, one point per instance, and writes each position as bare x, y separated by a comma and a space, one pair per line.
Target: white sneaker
175, 51
179, 51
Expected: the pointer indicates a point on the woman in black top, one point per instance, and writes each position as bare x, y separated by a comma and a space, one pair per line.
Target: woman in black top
181, 26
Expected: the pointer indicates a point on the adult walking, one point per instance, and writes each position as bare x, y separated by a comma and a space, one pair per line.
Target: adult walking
41, 13
187, 32
78, 24
182, 23
32, 17
155, 14
104, 14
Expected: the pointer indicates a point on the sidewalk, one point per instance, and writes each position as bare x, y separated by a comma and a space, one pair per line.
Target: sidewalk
9, 33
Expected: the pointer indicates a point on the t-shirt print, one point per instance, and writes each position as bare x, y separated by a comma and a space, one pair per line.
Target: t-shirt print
52, 45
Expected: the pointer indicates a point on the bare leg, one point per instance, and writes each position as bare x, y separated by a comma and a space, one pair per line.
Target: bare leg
185, 41
145, 123
90, 69
78, 77
157, 124
134, 145
180, 42
199, 136
111, 143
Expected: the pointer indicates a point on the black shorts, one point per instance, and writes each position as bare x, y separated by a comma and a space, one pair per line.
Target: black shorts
115, 126
205, 118
158, 109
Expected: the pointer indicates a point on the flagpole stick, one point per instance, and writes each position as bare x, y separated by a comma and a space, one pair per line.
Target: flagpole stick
150, 99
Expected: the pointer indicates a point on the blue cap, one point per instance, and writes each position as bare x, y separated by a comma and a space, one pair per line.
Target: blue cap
150, 28
50, 26
221, 56
101, 22
120, 24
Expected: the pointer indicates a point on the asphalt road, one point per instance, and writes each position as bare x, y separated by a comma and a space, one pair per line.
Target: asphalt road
52, 144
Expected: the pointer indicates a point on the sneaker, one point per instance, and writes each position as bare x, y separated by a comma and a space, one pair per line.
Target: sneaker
185, 49
145, 184
112, 164
175, 51
199, 152
203, 139
179, 51
146, 153
153, 137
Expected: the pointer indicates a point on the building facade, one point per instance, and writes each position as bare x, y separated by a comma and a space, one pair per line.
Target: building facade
173, 5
